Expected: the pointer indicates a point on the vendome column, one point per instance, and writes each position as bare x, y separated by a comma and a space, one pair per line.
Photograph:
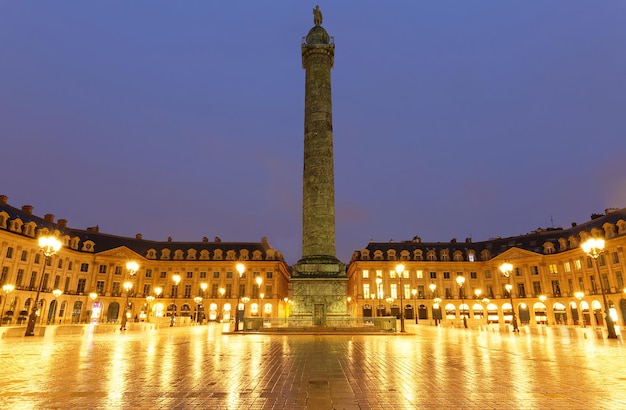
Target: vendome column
319, 279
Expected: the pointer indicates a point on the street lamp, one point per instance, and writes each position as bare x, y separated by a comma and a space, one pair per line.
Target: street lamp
414, 292
460, 280
477, 293
436, 305
400, 272
149, 299
506, 269
286, 300
132, 268
222, 291
241, 268
432, 288
198, 300
176, 280
379, 281
7, 289
580, 296
594, 247
543, 299
49, 245
259, 281
486, 301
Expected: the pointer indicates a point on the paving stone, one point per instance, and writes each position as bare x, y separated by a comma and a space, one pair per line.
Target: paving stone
186, 368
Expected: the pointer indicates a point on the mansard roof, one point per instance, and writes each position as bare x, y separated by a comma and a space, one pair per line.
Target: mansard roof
533, 241
104, 242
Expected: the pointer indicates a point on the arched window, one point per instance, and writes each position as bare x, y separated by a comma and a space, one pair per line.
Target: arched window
548, 248
418, 255
365, 255
444, 255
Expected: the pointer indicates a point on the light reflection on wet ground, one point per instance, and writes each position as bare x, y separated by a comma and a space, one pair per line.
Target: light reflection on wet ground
199, 367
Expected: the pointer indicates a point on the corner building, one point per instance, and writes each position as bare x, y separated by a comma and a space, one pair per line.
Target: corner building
549, 268
90, 271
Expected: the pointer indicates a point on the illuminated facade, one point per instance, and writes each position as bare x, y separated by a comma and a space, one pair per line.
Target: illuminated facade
548, 269
548, 272
90, 271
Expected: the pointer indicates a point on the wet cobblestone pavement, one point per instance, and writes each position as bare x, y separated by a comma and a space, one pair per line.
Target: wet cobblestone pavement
199, 367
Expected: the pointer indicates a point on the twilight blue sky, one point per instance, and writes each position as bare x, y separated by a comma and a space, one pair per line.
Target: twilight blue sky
185, 118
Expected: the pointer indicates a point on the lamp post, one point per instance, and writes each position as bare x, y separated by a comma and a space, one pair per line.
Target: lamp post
580, 296
262, 310
56, 293
506, 269
241, 268
132, 268
460, 280
379, 281
198, 300
176, 280
149, 300
7, 289
477, 293
436, 305
594, 247
432, 288
259, 282
93, 296
222, 291
486, 301
400, 272
414, 293
49, 245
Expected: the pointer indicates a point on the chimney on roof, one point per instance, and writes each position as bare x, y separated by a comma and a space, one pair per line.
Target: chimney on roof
93, 229
138, 236
205, 239
610, 210
62, 223
453, 240
574, 224
169, 239
468, 240
48, 218
27, 209
3, 199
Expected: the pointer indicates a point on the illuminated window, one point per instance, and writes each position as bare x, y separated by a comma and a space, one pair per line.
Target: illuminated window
366, 274
366, 290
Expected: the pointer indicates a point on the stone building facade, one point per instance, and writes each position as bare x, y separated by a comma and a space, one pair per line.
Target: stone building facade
549, 268
90, 271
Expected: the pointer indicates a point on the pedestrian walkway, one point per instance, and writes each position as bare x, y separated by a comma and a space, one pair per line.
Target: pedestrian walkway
199, 367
